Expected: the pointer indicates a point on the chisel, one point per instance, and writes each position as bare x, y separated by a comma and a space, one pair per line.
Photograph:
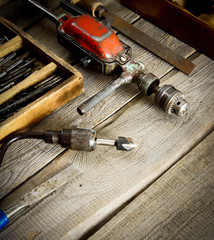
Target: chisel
38, 193
98, 10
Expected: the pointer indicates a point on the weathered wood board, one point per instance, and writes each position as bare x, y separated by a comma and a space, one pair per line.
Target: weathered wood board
179, 205
110, 178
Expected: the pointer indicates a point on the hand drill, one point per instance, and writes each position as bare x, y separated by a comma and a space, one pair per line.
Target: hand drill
96, 45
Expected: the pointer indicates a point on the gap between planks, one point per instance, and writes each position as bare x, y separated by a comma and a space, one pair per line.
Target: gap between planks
150, 212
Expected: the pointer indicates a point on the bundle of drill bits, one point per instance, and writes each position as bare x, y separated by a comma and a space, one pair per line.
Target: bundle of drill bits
28, 96
14, 68
34, 82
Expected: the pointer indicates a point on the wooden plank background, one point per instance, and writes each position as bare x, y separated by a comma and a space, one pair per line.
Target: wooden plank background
176, 206
110, 178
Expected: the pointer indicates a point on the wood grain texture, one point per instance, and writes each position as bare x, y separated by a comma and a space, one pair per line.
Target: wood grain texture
30, 156
13, 45
111, 177
179, 205
161, 143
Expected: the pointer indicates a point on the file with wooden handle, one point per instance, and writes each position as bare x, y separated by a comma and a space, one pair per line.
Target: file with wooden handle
97, 9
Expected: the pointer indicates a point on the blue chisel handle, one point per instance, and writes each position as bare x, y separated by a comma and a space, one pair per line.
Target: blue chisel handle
3, 219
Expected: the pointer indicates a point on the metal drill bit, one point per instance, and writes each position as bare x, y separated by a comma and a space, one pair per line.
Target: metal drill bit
11, 65
8, 58
16, 75
26, 63
11, 76
19, 77
8, 86
26, 97
15, 81
3, 39
122, 143
6, 38
46, 81
15, 64
85, 140
79, 139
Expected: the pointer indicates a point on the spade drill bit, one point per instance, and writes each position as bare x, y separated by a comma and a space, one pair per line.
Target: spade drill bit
74, 138
122, 143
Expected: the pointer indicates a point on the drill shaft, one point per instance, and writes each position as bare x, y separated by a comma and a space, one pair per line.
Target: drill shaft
100, 96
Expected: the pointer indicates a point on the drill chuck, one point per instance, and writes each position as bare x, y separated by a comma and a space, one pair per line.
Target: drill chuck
75, 138
171, 100
166, 97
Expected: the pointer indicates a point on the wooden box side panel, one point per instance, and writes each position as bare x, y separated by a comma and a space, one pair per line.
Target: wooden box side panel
52, 100
42, 107
177, 22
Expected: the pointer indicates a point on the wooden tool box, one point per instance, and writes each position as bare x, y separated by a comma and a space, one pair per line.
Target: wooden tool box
177, 21
70, 88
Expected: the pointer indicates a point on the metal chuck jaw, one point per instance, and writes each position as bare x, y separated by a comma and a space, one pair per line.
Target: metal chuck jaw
167, 97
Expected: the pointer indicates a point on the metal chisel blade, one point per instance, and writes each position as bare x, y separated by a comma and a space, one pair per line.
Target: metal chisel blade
149, 43
44, 189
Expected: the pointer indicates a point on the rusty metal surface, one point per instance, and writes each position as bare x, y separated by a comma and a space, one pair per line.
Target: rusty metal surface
149, 43
101, 95
92, 35
171, 100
